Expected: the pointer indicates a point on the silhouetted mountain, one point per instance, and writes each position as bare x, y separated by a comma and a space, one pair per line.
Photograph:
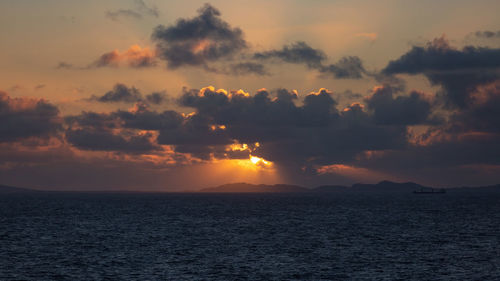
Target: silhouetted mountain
10, 189
388, 186
331, 188
261, 188
383, 186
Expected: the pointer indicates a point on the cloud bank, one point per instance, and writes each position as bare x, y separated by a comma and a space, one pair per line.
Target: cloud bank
391, 131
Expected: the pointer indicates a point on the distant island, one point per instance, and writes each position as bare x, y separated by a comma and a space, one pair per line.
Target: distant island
280, 188
5, 189
383, 186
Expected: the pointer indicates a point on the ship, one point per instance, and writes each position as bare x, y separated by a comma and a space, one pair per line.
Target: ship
429, 191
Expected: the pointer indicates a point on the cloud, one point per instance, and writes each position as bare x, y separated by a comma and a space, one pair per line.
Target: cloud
135, 57
196, 131
444, 159
110, 132
244, 68
89, 139
413, 109
142, 131
39, 87
372, 36
64, 65
199, 40
297, 53
210, 43
142, 118
470, 89
482, 114
346, 68
141, 10
148, 10
487, 34
439, 56
16, 87
98, 121
122, 93
156, 98
314, 132
22, 118
301, 53
467, 142
457, 71
123, 13
392, 132
288, 132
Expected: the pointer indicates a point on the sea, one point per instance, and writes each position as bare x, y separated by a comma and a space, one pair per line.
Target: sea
175, 236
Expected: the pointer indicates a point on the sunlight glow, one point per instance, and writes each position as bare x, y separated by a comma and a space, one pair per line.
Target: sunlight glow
259, 161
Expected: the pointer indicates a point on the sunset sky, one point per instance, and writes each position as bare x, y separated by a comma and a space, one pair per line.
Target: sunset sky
178, 95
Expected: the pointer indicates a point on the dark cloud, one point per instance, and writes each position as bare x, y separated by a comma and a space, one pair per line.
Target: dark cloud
245, 68
156, 98
315, 131
301, 53
98, 121
123, 131
144, 119
319, 109
413, 109
147, 10
199, 40
439, 56
452, 161
457, 71
487, 34
107, 59
107, 141
123, 13
208, 42
23, 117
346, 68
347, 97
300, 134
115, 131
468, 141
482, 114
141, 9
297, 53
195, 130
122, 93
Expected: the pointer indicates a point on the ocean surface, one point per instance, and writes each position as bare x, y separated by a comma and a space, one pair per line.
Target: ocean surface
126, 236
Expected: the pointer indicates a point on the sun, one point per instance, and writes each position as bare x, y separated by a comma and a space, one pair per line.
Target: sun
254, 159
259, 161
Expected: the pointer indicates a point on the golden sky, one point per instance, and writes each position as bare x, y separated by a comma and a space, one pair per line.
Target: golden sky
176, 95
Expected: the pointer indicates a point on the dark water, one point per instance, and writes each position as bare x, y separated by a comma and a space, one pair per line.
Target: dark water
61, 236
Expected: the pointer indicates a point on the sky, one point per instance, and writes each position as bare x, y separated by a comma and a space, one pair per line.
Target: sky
178, 95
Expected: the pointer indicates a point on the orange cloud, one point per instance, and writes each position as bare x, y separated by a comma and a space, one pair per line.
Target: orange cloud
135, 56
201, 46
353, 172
372, 36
